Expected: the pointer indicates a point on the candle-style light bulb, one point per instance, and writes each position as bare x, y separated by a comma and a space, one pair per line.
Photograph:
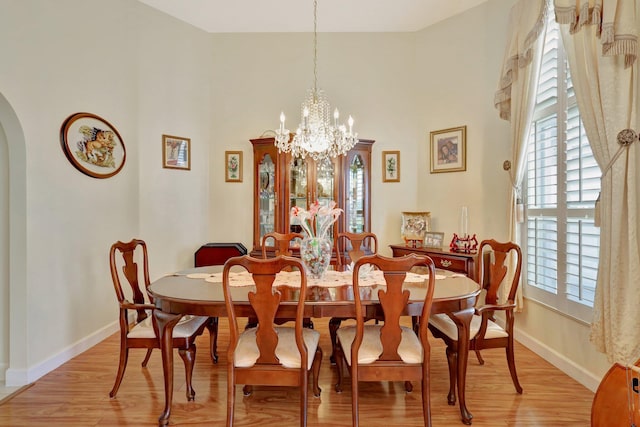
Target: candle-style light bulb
464, 221
350, 121
281, 121
305, 117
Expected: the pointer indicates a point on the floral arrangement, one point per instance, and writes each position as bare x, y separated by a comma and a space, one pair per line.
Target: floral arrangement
317, 220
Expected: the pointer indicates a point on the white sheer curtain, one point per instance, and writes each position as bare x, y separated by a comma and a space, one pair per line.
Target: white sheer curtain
515, 97
600, 38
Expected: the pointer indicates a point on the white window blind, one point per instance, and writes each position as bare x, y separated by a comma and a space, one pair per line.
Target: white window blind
561, 185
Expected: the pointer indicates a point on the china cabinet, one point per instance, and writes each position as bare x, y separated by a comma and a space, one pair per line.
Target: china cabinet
281, 182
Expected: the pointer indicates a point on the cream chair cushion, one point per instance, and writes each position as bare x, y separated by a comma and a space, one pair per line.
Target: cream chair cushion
409, 350
448, 327
287, 351
186, 327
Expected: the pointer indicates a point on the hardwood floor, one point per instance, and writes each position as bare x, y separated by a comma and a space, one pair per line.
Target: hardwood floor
76, 394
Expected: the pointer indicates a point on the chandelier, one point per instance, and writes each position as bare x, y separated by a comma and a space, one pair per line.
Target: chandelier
317, 135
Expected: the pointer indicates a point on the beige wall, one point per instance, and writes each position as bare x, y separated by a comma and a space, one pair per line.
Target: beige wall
149, 74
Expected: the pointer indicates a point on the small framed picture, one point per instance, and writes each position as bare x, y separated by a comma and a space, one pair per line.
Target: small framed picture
176, 152
391, 166
233, 166
433, 239
449, 150
92, 145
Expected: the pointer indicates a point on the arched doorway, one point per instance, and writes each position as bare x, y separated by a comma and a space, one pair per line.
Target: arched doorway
13, 237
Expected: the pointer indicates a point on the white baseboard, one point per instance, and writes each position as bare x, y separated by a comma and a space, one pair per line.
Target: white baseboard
21, 377
3, 368
561, 362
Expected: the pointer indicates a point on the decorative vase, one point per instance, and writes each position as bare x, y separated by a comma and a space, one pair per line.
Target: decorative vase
315, 253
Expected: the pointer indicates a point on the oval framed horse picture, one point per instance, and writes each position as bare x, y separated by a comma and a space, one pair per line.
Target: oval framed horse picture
92, 145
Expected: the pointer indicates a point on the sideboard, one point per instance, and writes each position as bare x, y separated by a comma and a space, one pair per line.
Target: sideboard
452, 261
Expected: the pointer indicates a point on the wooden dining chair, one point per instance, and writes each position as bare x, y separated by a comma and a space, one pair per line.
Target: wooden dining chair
269, 354
389, 351
281, 243
143, 332
349, 247
485, 332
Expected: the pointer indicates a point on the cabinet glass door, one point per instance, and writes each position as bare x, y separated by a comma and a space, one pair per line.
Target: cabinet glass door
298, 174
354, 211
267, 196
324, 190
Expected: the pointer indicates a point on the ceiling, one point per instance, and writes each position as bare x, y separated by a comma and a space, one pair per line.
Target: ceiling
249, 16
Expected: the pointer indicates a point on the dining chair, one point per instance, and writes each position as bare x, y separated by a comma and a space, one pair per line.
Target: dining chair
269, 354
281, 243
389, 351
485, 332
349, 247
143, 331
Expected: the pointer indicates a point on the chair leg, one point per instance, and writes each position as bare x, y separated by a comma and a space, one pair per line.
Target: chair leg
512, 368
231, 397
339, 367
452, 360
315, 370
426, 400
247, 390
212, 326
334, 324
479, 356
189, 356
408, 387
122, 366
147, 357
354, 396
304, 397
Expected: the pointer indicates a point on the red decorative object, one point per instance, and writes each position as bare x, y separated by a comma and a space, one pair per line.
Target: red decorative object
465, 245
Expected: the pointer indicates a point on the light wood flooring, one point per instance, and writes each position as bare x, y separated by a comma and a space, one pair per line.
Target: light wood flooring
76, 394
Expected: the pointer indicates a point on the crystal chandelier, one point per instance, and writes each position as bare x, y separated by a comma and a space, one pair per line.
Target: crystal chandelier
317, 136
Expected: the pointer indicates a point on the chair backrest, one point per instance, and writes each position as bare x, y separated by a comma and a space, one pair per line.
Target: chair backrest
353, 244
498, 268
265, 302
393, 300
282, 243
131, 253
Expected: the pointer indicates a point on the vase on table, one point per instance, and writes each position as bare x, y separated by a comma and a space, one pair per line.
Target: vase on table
315, 253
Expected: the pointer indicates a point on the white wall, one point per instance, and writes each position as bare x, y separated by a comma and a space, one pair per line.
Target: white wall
174, 98
460, 59
145, 74
367, 75
149, 74
4, 253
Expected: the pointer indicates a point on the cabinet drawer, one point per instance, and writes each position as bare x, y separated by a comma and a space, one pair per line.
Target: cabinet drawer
450, 263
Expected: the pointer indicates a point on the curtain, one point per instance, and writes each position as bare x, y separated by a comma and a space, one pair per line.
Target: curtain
600, 38
515, 98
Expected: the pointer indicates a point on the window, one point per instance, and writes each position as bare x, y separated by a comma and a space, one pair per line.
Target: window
561, 186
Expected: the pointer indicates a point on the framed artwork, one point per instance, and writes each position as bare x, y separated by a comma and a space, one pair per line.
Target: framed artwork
433, 239
176, 152
233, 166
390, 166
92, 145
449, 150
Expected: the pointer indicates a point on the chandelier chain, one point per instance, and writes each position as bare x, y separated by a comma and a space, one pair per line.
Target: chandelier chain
315, 46
317, 136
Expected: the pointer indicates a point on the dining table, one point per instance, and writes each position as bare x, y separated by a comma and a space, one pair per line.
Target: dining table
198, 291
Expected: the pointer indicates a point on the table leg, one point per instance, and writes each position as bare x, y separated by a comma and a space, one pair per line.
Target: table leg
166, 323
462, 320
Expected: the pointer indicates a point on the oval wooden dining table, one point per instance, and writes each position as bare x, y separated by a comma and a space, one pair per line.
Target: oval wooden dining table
198, 291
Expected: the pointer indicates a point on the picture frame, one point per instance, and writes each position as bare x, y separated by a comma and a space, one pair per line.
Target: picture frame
176, 152
449, 150
233, 166
391, 166
433, 239
92, 145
